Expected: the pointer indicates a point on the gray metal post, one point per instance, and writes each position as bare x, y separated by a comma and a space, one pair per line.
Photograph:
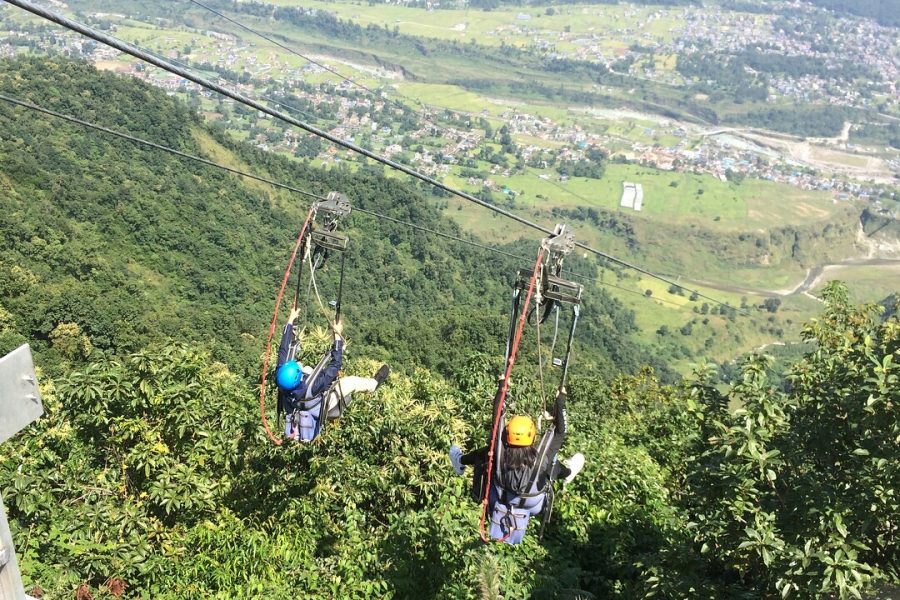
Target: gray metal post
20, 405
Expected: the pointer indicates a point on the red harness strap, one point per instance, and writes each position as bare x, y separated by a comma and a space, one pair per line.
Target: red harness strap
265, 365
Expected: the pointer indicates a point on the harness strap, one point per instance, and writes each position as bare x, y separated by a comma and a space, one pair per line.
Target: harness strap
320, 423
317, 370
548, 511
512, 322
300, 272
575, 312
311, 404
526, 496
337, 306
543, 447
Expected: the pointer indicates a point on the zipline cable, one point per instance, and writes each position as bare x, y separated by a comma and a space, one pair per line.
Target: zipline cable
150, 144
272, 182
184, 65
540, 354
427, 120
376, 94
441, 234
290, 188
163, 64
142, 54
400, 105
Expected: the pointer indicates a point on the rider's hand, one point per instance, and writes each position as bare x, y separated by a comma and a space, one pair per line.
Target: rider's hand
295, 314
338, 328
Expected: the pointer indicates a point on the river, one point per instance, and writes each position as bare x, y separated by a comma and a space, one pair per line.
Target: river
813, 276
816, 274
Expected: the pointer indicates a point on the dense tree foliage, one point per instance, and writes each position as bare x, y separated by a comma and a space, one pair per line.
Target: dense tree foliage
816, 121
880, 133
151, 470
795, 492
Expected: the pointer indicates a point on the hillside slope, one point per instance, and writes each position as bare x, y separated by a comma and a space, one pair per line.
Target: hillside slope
132, 245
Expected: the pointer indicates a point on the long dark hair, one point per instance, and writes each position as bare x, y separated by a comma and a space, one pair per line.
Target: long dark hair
518, 457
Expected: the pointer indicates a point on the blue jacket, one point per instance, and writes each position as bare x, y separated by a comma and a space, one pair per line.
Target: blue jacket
288, 401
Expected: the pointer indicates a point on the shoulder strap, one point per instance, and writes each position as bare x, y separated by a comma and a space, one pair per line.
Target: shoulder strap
548, 511
542, 449
326, 359
294, 347
534, 474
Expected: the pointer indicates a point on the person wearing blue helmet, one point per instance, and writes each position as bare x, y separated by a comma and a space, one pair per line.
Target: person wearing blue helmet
305, 394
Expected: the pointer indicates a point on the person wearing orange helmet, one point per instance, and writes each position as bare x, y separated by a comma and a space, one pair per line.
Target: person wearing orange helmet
523, 472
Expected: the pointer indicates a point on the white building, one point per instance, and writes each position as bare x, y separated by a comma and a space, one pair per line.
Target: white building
632, 195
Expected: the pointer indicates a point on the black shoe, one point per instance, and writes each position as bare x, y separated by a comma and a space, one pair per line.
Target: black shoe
382, 374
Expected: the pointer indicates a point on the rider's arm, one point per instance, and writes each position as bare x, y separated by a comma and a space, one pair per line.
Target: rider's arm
330, 373
287, 338
494, 414
560, 422
475, 456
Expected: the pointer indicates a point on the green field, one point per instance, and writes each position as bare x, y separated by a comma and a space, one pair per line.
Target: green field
681, 198
718, 338
452, 97
517, 26
262, 59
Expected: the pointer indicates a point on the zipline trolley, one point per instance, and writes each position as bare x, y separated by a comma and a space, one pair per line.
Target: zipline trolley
550, 293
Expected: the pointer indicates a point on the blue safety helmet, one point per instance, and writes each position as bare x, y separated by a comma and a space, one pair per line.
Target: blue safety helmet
289, 376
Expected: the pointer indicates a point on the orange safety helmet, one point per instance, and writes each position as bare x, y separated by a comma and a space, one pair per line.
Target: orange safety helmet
520, 431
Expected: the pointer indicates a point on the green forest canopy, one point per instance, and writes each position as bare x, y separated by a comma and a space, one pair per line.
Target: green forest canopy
145, 284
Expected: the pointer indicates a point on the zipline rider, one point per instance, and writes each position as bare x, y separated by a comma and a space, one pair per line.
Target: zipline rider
303, 390
524, 473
